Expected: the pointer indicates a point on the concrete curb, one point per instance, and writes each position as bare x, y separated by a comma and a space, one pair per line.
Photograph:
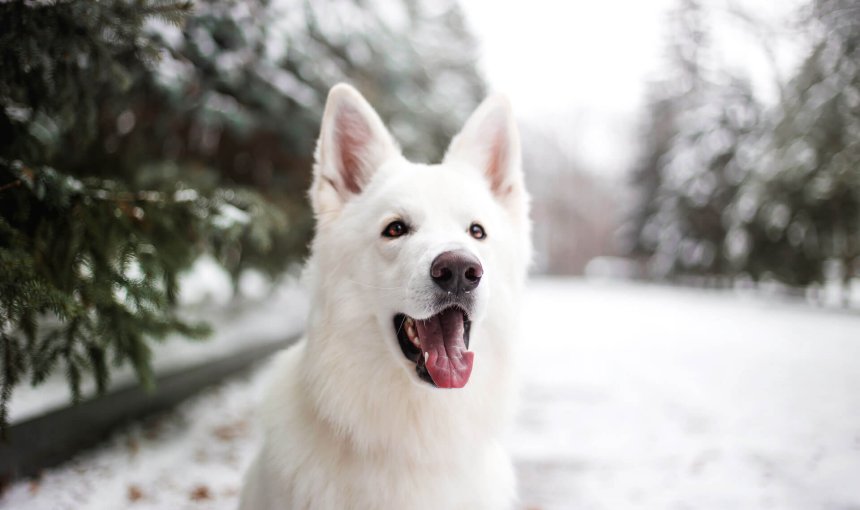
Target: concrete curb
49, 439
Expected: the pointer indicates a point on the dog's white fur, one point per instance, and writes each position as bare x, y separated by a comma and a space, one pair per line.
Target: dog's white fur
347, 423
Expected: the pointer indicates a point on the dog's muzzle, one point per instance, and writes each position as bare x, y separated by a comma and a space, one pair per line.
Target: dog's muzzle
439, 344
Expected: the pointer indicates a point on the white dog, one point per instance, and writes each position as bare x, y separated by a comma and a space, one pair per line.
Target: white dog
398, 396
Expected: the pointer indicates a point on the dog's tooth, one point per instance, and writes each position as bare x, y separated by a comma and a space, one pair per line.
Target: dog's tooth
412, 335
426, 355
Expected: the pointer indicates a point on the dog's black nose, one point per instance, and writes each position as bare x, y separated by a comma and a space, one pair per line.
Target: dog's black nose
456, 271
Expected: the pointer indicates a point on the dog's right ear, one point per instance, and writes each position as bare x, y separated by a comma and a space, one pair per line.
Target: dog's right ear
353, 143
490, 143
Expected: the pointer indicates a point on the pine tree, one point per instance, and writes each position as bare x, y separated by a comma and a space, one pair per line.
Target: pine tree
91, 245
689, 172
799, 213
772, 195
656, 135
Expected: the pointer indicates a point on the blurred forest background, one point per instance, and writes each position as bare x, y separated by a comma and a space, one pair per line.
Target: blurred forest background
727, 189
136, 136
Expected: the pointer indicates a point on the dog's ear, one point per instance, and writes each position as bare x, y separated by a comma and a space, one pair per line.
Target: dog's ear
490, 142
353, 143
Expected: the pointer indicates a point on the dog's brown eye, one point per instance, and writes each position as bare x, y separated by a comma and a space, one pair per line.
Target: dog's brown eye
395, 229
477, 231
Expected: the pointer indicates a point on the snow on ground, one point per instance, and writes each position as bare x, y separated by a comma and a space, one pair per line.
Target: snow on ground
634, 397
650, 397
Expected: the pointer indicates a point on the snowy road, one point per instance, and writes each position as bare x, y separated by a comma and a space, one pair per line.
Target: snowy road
634, 397
658, 398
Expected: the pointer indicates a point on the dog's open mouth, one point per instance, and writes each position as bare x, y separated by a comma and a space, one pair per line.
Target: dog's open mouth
438, 346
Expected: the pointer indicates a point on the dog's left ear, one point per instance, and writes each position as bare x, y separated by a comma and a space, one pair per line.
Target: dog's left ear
490, 143
353, 144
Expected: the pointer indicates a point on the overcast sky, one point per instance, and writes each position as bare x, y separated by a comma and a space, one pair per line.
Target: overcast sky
579, 67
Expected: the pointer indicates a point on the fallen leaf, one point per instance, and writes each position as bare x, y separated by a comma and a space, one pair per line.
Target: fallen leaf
201, 493
231, 431
134, 493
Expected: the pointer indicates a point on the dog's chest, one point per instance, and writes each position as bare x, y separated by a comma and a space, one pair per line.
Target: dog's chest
481, 479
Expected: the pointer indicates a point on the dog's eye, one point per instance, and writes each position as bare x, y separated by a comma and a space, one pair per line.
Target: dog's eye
477, 231
395, 229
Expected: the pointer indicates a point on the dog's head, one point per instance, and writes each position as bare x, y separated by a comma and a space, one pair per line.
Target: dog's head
421, 249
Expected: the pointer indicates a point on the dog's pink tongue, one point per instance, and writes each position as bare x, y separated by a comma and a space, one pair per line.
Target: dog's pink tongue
448, 362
